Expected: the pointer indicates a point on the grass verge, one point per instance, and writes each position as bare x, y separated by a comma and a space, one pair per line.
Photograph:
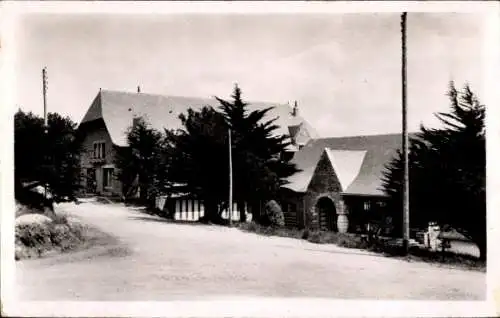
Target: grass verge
350, 240
41, 239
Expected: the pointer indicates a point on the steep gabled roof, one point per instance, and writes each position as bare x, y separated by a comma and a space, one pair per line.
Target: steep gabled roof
118, 109
373, 152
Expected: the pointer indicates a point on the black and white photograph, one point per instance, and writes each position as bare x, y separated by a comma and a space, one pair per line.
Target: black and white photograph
247, 156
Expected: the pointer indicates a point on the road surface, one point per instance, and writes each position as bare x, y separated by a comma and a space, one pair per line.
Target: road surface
158, 260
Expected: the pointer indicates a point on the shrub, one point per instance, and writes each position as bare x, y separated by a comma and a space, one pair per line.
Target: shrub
314, 237
33, 234
60, 219
352, 241
35, 238
65, 237
347, 240
250, 227
273, 214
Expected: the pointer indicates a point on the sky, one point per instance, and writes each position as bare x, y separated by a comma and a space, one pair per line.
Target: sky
344, 70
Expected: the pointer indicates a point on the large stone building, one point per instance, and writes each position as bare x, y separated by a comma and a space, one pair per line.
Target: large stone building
338, 187
111, 113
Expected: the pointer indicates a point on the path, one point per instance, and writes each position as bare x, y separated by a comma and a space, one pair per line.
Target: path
159, 260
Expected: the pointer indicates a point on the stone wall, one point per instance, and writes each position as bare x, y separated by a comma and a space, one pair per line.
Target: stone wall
292, 205
324, 183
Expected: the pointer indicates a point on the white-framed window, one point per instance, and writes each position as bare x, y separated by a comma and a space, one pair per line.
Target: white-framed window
99, 151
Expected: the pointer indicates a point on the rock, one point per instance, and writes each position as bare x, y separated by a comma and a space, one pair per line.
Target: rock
33, 218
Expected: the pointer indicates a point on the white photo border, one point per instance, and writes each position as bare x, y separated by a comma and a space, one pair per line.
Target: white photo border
260, 307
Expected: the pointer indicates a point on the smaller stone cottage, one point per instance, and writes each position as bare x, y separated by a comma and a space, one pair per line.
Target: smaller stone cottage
339, 187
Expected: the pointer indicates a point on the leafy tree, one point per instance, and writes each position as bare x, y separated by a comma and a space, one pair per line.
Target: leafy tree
142, 165
200, 160
447, 171
29, 147
258, 167
50, 157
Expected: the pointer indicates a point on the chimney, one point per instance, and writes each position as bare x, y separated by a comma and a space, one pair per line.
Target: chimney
295, 108
135, 121
138, 89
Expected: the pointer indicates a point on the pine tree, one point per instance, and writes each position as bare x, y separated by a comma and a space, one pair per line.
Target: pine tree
259, 169
141, 165
199, 159
200, 153
447, 171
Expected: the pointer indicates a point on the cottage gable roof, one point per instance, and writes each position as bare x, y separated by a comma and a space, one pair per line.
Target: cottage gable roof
369, 155
118, 109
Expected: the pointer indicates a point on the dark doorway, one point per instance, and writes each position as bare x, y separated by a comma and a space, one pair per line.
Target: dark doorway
327, 214
91, 181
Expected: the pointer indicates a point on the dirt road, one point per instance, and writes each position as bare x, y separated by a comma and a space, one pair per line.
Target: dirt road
158, 260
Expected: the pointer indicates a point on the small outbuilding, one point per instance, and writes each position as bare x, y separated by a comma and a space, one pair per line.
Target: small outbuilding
339, 187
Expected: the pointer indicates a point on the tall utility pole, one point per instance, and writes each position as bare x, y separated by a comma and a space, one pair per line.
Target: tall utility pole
230, 203
44, 79
406, 188
45, 120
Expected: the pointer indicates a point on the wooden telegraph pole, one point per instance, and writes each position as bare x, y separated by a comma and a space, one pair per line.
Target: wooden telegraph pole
44, 79
406, 201
230, 203
45, 120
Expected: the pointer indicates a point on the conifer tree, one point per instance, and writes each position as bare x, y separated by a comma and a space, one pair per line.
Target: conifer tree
199, 159
447, 171
141, 165
259, 168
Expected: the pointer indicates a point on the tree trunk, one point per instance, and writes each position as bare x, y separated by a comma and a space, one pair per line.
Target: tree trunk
243, 212
258, 213
211, 212
255, 210
143, 194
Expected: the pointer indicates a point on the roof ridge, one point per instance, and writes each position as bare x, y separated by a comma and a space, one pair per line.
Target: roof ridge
190, 97
361, 136
150, 94
118, 107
